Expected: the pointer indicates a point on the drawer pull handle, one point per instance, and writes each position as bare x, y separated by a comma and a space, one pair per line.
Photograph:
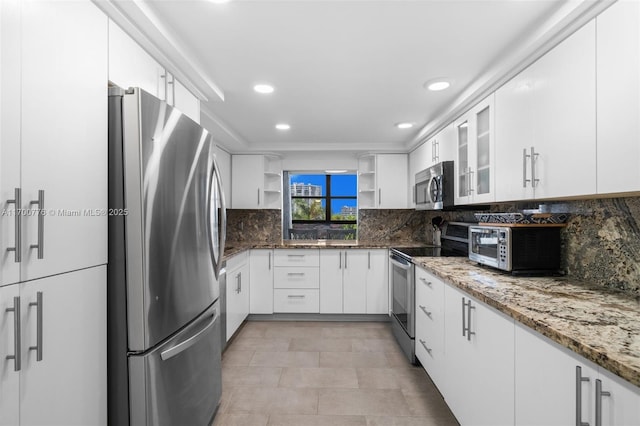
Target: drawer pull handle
295, 273
296, 296
295, 255
424, 344
425, 311
424, 280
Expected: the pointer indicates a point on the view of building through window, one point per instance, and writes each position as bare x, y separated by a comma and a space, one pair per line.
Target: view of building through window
323, 206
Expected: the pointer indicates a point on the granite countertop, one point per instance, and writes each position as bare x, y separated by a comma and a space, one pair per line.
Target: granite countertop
600, 324
232, 248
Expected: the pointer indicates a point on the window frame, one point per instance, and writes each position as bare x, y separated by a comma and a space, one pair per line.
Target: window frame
327, 197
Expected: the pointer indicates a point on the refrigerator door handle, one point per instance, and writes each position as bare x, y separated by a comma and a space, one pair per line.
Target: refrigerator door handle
222, 232
186, 344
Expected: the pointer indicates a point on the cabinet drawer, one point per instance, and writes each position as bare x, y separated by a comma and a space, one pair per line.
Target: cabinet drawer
300, 277
297, 257
429, 291
296, 300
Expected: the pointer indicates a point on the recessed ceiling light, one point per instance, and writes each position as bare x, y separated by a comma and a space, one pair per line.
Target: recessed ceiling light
404, 125
438, 84
283, 126
219, 1
263, 88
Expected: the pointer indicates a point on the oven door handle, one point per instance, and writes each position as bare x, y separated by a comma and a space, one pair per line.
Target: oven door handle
400, 265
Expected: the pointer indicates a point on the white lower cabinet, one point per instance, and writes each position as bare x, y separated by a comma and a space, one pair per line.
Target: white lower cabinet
62, 371
237, 292
296, 281
353, 281
429, 332
479, 361
554, 384
261, 282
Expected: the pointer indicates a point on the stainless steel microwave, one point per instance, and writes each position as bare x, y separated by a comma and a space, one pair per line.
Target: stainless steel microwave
526, 250
434, 187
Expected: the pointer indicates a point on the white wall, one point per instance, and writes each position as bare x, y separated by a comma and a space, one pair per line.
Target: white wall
319, 161
224, 162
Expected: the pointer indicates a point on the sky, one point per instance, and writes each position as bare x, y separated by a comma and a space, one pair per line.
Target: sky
340, 185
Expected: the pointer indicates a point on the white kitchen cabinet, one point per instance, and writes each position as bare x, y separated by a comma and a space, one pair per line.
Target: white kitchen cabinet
479, 367
379, 177
353, 281
256, 182
296, 281
546, 124
55, 142
618, 98
429, 331
9, 377
475, 168
131, 66
68, 385
64, 380
551, 376
442, 147
261, 282
238, 279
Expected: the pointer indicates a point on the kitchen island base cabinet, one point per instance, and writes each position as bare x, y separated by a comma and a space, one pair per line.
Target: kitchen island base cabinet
479, 351
63, 372
554, 384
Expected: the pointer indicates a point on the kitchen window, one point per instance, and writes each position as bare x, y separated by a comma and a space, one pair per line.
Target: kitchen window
322, 206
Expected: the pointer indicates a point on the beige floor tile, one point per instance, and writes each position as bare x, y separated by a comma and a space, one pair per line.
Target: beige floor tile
294, 331
251, 376
397, 359
353, 359
361, 402
319, 378
261, 344
273, 401
377, 378
233, 358
375, 345
305, 420
428, 404
320, 345
248, 330
285, 359
355, 332
224, 419
408, 421
414, 379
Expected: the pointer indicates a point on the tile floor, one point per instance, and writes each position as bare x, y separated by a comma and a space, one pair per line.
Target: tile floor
324, 373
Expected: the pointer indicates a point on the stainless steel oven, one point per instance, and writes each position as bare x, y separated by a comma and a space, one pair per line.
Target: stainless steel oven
403, 309
453, 242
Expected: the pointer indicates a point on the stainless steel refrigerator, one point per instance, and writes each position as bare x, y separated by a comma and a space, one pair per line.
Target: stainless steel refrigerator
166, 239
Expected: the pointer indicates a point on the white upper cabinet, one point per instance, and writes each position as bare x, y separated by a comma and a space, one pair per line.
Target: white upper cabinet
381, 181
131, 66
546, 124
618, 94
54, 137
475, 165
256, 182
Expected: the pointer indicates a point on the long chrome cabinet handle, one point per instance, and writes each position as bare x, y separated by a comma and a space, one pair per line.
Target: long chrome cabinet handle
424, 309
295, 296
524, 168
238, 283
464, 328
345, 260
293, 274
424, 344
269, 260
469, 308
258, 196
424, 280
379, 196
39, 312
534, 181
17, 249
17, 343
599, 394
340, 261
40, 203
369, 260
471, 173
579, 380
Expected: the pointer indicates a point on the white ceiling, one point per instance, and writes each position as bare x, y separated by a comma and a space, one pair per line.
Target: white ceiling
344, 71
